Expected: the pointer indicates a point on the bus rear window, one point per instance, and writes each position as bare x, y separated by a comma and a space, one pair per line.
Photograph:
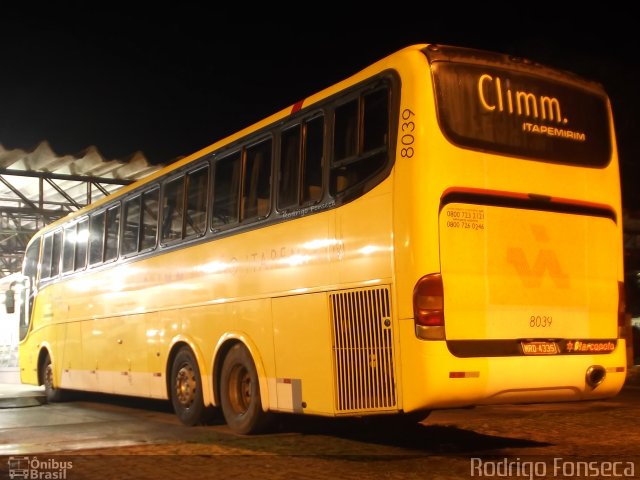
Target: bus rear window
513, 113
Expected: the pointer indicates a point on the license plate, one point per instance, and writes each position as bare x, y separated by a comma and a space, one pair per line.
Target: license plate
540, 348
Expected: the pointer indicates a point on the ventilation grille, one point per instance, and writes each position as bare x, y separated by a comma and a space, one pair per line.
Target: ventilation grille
363, 350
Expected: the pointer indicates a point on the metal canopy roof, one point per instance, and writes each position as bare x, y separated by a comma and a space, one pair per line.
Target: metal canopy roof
38, 187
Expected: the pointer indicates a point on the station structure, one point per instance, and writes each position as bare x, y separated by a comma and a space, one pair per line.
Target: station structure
38, 187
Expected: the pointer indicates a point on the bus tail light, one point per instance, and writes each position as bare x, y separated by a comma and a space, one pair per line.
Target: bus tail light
428, 307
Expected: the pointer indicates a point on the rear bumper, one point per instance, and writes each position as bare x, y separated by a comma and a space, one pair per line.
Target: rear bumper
434, 378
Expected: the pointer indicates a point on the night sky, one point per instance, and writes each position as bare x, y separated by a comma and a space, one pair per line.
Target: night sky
172, 79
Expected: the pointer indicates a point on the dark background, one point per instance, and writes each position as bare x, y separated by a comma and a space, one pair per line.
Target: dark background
170, 78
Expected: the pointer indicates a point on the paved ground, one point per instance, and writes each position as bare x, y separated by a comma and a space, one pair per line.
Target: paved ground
107, 437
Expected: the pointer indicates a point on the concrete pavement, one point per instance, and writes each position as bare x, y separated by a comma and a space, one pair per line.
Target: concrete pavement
15, 395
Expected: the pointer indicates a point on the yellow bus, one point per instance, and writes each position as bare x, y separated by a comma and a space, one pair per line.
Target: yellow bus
442, 229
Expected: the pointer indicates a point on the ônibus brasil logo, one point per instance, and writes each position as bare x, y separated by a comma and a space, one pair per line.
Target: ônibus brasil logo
34, 468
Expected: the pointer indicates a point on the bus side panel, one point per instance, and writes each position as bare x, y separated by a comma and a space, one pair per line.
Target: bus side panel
98, 355
156, 350
416, 194
302, 340
366, 237
28, 356
70, 359
128, 338
89, 363
203, 326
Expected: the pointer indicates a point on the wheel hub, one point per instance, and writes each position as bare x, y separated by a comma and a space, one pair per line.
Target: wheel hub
186, 385
240, 391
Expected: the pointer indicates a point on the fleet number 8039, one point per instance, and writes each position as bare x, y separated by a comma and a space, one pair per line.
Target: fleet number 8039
406, 135
540, 321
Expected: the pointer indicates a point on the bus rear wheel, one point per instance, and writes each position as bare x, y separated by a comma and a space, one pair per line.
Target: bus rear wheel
240, 393
52, 393
186, 389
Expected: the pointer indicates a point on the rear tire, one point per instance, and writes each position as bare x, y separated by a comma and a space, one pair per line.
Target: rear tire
52, 393
240, 393
186, 389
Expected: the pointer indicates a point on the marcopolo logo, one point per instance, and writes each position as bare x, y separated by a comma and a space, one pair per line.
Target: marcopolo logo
586, 346
36, 469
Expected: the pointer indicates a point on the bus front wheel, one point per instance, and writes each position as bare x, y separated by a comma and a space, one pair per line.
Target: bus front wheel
186, 389
52, 393
240, 393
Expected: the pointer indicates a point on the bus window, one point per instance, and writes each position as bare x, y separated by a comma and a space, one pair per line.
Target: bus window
312, 162
29, 269
346, 130
131, 226
82, 237
360, 140
56, 250
149, 221
225, 190
112, 230
96, 238
50, 266
376, 120
197, 194
68, 250
172, 210
30, 266
47, 245
289, 167
308, 160
256, 188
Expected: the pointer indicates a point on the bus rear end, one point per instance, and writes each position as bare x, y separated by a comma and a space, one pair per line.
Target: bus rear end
533, 287
525, 300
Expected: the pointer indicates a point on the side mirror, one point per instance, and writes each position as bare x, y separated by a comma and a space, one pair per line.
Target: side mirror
10, 300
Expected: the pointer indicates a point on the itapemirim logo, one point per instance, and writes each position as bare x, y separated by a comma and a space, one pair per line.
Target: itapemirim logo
36, 469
